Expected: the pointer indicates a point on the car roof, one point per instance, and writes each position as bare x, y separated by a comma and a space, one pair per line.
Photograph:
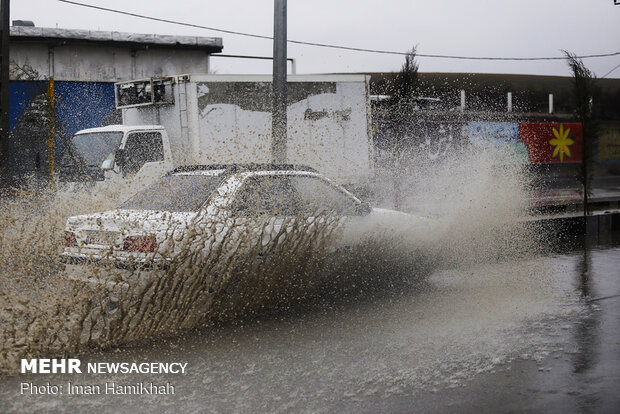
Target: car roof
236, 168
121, 128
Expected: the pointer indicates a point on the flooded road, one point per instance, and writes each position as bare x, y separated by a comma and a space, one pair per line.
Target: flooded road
532, 334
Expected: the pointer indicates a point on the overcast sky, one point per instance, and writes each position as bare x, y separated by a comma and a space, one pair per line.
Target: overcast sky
502, 28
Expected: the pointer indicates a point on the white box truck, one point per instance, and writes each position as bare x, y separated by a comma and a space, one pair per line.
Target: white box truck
220, 119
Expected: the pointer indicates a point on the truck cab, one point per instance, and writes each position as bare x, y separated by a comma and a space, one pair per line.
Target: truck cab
96, 158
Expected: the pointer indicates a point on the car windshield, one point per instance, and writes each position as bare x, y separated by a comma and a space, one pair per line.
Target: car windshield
95, 147
175, 193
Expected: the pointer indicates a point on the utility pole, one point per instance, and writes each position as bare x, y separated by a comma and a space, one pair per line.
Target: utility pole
278, 125
4, 92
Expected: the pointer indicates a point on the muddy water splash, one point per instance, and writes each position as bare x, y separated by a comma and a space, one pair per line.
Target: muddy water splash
222, 272
227, 270
478, 200
218, 271
36, 304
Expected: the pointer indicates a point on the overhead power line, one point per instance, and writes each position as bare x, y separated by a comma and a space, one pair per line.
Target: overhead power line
355, 49
609, 73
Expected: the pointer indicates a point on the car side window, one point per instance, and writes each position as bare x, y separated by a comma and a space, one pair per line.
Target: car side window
140, 148
321, 197
271, 195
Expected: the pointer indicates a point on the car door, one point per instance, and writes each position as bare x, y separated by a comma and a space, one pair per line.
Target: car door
265, 203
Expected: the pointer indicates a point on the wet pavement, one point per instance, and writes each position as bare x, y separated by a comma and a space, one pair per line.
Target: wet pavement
581, 373
540, 334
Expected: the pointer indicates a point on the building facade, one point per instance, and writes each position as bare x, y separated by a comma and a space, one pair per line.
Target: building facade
62, 81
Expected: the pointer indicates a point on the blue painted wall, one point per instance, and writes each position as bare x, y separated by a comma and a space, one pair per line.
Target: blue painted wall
78, 105
21, 95
82, 105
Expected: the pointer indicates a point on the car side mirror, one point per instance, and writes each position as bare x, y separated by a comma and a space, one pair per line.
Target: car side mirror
363, 209
107, 164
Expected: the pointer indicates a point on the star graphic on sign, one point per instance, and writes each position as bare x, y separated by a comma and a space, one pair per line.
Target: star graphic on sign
561, 142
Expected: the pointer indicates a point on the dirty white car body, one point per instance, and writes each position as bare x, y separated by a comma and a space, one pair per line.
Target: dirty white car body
148, 236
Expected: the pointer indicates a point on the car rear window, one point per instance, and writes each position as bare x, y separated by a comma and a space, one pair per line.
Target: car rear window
175, 193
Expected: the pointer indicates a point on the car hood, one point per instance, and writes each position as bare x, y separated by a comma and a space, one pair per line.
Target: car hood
383, 222
394, 218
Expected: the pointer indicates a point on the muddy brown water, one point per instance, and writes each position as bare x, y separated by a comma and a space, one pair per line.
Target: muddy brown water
515, 327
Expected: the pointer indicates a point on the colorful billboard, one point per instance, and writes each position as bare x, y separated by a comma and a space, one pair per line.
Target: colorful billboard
552, 142
525, 142
534, 142
492, 134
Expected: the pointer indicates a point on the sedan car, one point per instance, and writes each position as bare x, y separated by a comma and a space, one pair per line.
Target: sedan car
216, 217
